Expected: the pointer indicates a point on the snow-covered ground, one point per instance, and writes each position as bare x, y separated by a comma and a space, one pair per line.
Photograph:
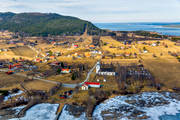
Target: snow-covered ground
18, 109
65, 115
6, 98
43, 111
152, 105
147, 105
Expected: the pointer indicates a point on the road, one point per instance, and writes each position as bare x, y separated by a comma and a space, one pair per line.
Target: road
54, 82
75, 85
80, 84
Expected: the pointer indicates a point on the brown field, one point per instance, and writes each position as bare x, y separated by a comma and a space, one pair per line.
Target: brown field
116, 44
38, 85
66, 78
165, 71
165, 68
10, 80
24, 51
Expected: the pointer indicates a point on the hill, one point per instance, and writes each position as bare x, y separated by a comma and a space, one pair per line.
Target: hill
43, 24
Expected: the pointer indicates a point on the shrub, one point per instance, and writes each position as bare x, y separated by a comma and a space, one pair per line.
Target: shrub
4, 92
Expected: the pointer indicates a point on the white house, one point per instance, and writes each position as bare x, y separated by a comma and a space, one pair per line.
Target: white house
84, 87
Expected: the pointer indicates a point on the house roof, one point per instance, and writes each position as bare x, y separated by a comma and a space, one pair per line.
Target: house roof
92, 83
91, 46
106, 70
65, 69
84, 85
178, 41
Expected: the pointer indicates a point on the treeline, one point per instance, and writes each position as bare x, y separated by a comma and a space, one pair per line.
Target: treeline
175, 39
148, 34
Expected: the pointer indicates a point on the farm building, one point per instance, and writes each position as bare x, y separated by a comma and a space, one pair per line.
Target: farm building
38, 60
104, 71
75, 46
178, 43
126, 42
65, 71
84, 87
92, 47
92, 84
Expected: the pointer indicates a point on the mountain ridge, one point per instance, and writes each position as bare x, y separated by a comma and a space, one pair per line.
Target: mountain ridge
44, 24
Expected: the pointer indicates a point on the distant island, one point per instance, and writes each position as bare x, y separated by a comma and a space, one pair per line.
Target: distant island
172, 26
44, 24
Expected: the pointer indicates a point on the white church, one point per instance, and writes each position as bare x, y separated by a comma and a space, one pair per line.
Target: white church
104, 71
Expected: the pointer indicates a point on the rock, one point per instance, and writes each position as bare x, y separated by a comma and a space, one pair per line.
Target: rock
144, 117
136, 112
75, 110
131, 101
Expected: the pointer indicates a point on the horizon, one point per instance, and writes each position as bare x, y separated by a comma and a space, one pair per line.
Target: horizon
115, 11
178, 22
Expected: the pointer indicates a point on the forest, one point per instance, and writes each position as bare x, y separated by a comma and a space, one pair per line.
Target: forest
45, 24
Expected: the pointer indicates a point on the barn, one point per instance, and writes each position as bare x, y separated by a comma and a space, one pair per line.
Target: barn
65, 71
93, 84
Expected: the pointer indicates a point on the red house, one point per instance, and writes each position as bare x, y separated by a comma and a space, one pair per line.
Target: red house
93, 84
76, 46
65, 71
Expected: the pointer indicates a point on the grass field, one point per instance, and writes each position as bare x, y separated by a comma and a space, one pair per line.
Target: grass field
38, 85
165, 71
24, 51
10, 80
165, 68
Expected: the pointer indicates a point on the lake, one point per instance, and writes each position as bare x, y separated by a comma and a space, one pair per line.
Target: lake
155, 27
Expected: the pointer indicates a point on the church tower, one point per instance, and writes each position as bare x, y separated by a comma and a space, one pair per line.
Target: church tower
98, 67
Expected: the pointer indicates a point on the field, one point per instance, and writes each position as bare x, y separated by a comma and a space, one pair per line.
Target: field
24, 51
165, 71
115, 46
9, 80
163, 66
38, 85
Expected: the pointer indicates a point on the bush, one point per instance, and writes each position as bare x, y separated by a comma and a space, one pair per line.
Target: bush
178, 58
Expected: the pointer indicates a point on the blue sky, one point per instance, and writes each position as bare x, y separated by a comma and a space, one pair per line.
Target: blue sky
101, 10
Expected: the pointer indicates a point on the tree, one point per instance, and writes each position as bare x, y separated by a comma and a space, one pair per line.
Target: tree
73, 76
59, 71
157, 42
62, 64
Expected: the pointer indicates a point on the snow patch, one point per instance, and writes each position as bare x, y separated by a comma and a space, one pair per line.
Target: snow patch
154, 112
18, 109
43, 111
66, 116
6, 98
170, 109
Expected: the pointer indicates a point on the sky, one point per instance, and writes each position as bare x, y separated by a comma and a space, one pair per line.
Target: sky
101, 11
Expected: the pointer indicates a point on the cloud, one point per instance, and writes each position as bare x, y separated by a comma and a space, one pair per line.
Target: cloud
101, 10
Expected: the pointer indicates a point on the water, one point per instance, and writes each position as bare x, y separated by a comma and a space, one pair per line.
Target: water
170, 117
155, 27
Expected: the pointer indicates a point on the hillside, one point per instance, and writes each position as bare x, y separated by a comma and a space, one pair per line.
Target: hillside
42, 24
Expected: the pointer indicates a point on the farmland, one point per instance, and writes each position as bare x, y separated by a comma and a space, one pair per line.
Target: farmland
23, 51
58, 70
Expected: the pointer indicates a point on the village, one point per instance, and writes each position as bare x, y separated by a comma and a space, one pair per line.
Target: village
84, 70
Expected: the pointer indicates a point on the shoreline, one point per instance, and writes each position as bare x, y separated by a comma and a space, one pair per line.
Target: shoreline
171, 26
133, 96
